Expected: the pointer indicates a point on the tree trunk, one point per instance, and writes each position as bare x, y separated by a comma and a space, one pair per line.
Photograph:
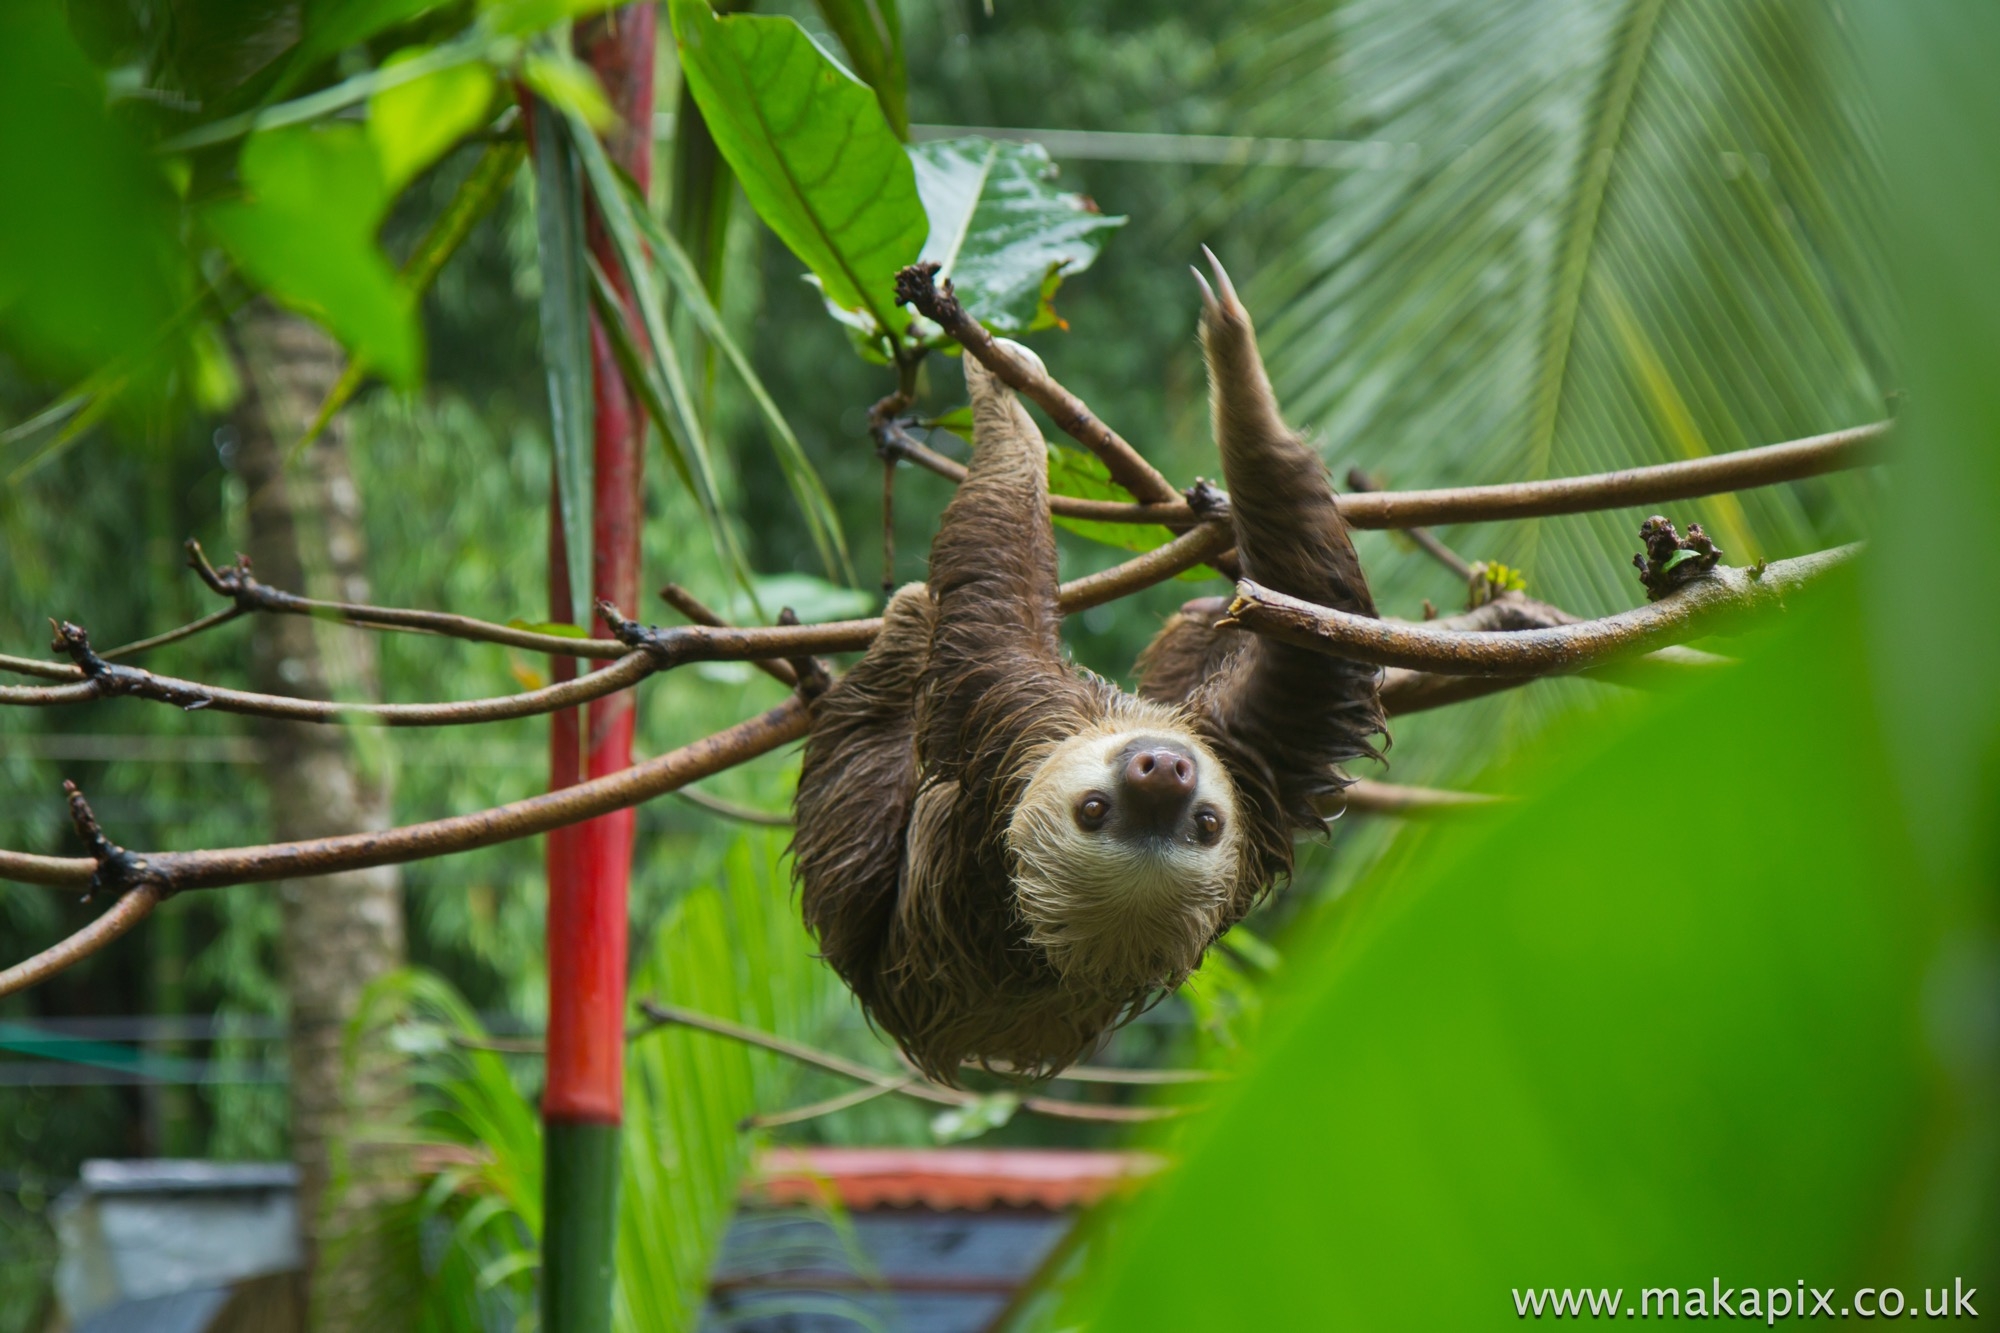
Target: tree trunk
340, 932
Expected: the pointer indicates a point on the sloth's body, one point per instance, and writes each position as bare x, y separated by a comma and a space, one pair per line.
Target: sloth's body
1004, 855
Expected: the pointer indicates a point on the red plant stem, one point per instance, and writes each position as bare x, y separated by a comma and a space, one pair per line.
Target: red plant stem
590, 864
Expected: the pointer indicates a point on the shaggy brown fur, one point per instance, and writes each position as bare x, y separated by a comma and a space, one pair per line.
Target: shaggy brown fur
919, 757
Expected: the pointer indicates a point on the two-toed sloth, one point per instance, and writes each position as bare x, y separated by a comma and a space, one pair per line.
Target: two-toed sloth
1005, 855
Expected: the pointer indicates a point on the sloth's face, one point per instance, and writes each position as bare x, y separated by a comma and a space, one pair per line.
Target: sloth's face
1126, 850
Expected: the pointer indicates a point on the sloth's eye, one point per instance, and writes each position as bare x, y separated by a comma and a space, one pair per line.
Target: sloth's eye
1207, 825
1092, 810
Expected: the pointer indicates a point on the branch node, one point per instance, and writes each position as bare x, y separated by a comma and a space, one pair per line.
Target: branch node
667, 647
1206, 500
917, 286
112, 679
118, 870
1670, 561
814, 678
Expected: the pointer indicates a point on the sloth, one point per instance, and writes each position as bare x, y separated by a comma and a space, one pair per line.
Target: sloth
1006, 856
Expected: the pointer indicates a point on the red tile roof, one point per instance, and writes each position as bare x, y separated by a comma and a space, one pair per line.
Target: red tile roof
946, 1179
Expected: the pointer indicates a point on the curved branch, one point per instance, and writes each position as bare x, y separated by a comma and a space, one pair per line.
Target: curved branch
1745, 469
1740, 471
917, 286
130, 909
1203, 542
909, 1084
442, 837
236, 583
187, 631
1365, 796
35, 666
108, 680
1706, 605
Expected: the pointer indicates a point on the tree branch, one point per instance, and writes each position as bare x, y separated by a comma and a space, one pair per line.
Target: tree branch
1706, 605
1717, 474
1360, 483
917, 286
1367, 797
908, 1085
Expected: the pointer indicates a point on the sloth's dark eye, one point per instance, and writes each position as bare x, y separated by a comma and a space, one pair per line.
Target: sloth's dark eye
1207, 825
1092, 810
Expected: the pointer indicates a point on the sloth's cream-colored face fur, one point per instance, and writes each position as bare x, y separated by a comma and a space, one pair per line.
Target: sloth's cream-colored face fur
1114, 889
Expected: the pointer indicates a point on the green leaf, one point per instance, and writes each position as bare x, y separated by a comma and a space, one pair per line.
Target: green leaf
808, 490
558, 627
657, 376
413, 124
566, 342
304, 230
559, 79
871, 31
1689, 1042
816, 158
520, 17
90, 266
977, 1117
1001, 231
332, 26
1599, 237
1083, 476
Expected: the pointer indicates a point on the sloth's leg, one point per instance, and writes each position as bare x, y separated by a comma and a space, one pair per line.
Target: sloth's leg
1298, 712
1187, 650
855, 788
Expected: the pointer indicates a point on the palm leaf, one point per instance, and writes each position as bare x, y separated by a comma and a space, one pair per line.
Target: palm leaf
566, 343
1606, 235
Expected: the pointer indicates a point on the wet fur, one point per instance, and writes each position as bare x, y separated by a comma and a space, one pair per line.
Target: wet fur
920, 757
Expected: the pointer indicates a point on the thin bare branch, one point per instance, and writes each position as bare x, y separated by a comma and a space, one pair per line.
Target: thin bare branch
130, 909
908, 1085
1718, 474
238, 584
1718, 600
442, 837
689, 605
742, 814
187, 631
1368, 797
109, 680
1204, 542
1425, 540
917, 286
35, 666
867, 1092
905, 446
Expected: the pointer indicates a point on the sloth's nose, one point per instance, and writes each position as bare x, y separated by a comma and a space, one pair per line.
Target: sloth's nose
1160, 781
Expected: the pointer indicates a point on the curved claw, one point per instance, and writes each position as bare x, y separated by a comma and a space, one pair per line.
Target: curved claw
1230, 301
1209, 306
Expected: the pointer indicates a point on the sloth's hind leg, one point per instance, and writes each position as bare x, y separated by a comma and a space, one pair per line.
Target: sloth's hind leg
855, 787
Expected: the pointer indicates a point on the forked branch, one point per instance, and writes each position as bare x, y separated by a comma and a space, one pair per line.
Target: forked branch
1721, 599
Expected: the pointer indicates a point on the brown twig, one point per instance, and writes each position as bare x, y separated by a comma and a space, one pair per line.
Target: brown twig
867, 1092
1719, 599
442, 837
742, 814
689, 605
187, 631
917, 286
238, 584
1367, 797
906, 447
908, 1085
1745, 469
1360, 483
121, 916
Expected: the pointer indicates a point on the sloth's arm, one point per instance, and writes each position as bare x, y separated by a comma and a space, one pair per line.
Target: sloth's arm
856, 786
1300, 712
993, 575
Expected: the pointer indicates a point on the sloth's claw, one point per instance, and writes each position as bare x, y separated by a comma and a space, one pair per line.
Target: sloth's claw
1230, 303
1209, 307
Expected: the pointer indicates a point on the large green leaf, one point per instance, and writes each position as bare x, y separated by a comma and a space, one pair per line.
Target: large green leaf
1001, 231
1597, 236
413, 124
90, 269
1655, 1028
566, 343
872, 33
304, 230
815, 157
